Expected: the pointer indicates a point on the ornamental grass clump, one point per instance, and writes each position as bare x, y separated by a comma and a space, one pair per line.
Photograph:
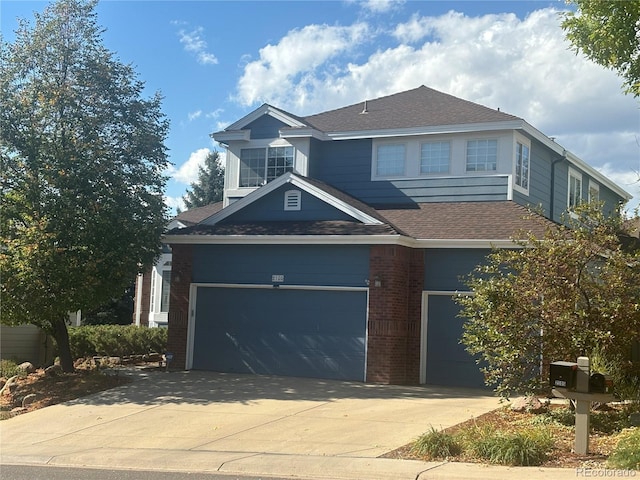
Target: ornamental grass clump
527, 447
436, 445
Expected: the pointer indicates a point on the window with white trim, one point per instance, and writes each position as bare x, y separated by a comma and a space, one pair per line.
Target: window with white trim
390, 160
575, 189
482, 155
262, 165
435, 157
292, 200
522, 166
594, 192
165, 289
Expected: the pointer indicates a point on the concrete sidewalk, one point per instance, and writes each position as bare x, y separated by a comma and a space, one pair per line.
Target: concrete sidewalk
211, 422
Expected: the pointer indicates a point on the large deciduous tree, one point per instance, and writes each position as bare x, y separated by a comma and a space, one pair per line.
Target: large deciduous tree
574, 292
210, 185
82, 158
608, 32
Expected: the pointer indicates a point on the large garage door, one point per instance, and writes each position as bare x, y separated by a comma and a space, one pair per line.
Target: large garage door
281, 331
447, 362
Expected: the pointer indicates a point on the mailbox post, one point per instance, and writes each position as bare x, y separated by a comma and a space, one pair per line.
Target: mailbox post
583, 399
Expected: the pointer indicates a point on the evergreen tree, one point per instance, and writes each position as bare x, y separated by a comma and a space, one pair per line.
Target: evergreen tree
210, 185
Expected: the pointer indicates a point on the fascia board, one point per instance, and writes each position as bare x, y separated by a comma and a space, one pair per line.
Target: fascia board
300, 183
248, 199
227, 136
438, 129
334, 202
289, 239
338, 240
265, 109
303, 133
572, 158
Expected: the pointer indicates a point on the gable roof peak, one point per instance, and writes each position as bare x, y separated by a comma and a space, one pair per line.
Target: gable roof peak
419, 107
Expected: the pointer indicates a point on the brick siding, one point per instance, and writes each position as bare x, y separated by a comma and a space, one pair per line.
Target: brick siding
393, 348
178, 317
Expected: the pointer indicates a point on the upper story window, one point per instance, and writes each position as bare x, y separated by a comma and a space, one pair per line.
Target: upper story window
575, 188
482, 155
261, 165
435, 157
390, 160
522, 166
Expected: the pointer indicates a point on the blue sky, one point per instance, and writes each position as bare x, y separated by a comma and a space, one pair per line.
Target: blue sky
215, 61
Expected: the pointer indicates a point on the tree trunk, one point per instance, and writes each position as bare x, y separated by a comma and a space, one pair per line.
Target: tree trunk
61, 336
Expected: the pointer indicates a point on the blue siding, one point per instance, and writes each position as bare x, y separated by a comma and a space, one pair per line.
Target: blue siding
301, 333
271, 208
540, 179
347, 165
445, 268
331, 265
265, 127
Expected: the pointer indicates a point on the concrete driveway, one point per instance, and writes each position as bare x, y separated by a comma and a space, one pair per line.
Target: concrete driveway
202, 420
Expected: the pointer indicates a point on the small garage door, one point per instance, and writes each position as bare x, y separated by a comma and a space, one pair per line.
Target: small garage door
447, 361
281, 331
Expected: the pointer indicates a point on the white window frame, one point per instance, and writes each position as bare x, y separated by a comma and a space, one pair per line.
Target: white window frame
432, 144
485, 161
594, 191
574, 174
265, 174
376, 162
517, 179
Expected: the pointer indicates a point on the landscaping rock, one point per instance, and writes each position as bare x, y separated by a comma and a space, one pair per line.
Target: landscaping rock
27, 367
6, 388
28, 400
53, 370
634, 418
528, 405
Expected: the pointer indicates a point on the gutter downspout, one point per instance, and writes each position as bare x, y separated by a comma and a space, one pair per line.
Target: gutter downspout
553, 184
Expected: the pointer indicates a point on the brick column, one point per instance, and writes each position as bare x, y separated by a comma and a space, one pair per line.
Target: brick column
178, 316
393, 348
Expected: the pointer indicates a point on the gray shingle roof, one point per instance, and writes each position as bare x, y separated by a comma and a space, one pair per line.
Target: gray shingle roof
198, 214
420, 107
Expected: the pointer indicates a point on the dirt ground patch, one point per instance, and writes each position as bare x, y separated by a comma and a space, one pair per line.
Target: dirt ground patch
51, 389
600, 444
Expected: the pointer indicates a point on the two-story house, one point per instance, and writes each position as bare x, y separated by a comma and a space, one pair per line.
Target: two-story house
344, 236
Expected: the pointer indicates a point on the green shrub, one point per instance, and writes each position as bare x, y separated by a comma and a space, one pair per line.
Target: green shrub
116, 340
9, 368
436, 444
627, 452
527, 447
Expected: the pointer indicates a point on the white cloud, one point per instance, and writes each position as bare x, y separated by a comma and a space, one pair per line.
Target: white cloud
288, 69
380, 6
194, 115
174, 204
196, 45
188, 171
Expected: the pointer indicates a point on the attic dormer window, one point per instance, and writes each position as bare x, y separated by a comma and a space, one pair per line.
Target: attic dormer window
261, 165
292, 200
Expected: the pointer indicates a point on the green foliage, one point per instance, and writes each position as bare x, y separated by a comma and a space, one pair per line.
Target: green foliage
9, 368
117, 311
574, 292
436, 444
627, 452
210, 185
607, 32
116, 340
529, 446
82, 157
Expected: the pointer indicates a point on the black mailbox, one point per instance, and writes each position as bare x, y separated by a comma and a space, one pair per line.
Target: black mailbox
599, 383
563, 375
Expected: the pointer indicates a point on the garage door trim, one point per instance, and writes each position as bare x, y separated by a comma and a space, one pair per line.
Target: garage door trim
193, 292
